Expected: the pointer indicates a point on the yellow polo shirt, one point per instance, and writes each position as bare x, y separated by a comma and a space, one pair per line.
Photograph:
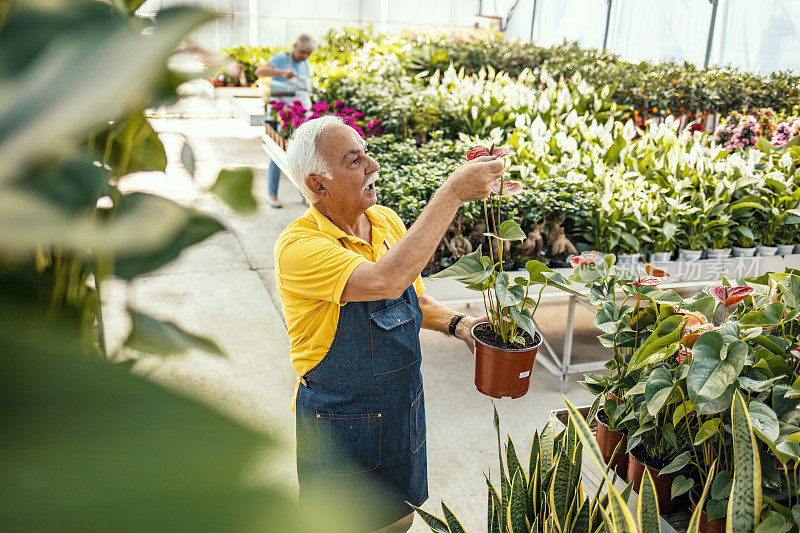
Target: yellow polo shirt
313, 261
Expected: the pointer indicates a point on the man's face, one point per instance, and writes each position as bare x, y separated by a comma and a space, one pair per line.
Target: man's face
301, 52
353, 171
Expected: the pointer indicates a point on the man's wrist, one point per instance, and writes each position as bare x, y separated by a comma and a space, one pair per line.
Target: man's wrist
452, 327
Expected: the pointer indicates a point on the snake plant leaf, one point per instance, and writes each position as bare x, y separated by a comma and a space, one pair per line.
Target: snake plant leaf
681, 485
620, 514
608, 523
513, 462
582, 522
469, 269
533, 462
497, 523
517, 519
647, 510
744, 505
509, 231
715, 366
437, 525
677, 464
658, 388
571, 441
661, 344
452, 522
559, 490
764, 420
505, 485
694, 521
626, 492
547, 445
707, 430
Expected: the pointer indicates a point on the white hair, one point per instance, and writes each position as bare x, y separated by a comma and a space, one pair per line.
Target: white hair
304, 156
306, 40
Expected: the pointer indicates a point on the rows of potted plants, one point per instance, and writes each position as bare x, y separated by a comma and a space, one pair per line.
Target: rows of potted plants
677, 364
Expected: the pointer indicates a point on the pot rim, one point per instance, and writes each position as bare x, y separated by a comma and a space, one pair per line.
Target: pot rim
630, 453
512, 350
600, 422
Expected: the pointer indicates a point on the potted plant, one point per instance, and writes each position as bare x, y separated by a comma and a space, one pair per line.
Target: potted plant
662, 238
691, 236
506, 345
779, 199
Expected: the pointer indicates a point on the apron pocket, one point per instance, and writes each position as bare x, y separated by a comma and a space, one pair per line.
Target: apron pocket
416, 422
394, 340
349, 444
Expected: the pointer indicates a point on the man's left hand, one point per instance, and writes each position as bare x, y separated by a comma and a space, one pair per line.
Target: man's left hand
464, 328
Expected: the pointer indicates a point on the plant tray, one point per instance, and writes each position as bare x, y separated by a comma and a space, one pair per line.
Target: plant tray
673, 522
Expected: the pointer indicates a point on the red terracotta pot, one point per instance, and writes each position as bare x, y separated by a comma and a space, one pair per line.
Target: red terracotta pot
663, 483
501, 372
607, 440
710, 526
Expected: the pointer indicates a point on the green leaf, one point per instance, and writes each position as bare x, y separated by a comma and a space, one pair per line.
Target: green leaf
769, 315
661, 344
507, 296
677, 464
436, 525
707, 430
681, 485
721, 488
535, 271
160, 337
452, 522
658, 388
647, 509
694, 521
62, 101
764, 420
516, 509
187, 158
523, 320
774, 523
744, 505
469, 269
715, 366
764, 145
235, 188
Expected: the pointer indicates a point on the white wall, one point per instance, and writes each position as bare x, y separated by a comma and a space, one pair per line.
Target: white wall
757, 35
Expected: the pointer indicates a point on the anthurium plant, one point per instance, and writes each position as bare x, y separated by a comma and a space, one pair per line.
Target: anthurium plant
509, 303
680, 363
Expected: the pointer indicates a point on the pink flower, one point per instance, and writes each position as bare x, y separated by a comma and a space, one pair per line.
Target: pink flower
510, 188
647, 281
297, 121
375, 127
584, 259
350, 121
358, 115
729, 296
319, 107
359, 130
479, 151
795, 352
277, 105
348, 111
338, 104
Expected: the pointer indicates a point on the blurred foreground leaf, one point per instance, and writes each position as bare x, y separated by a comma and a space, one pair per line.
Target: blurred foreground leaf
162, 337
235, 188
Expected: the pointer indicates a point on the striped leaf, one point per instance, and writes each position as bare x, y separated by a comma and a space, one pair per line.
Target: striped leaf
533, 463
497, 510
744, 505
435, 524
647, 510
452, 522
571, 439
694, 522
583, 522
608, 524
516, 510
505, 486
587, 438
620, 514
546, 446
559, 490
513, 462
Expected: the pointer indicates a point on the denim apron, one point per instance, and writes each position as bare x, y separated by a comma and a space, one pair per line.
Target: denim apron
361, 413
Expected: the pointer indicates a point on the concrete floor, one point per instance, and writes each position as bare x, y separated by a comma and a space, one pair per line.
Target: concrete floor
224, 288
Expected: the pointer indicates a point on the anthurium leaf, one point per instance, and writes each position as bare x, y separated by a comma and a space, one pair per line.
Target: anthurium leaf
661, 344
707, 430
677, 464
235, 188
469, 269
161, 337
681, 485
764, 420
774, 522
557, 280
716, 508
523, 320
658, 388
507, 296
756, 385
769, 315
715, 366
535, 270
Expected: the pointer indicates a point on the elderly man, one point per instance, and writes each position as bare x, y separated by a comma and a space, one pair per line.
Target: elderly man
291, 68
349, 277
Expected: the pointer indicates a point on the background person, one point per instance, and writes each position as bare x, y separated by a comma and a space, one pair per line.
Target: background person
290, 69
348, 275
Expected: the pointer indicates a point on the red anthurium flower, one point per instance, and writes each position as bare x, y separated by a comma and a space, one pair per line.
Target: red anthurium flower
796, 353
647, 281
585, 259
480, 151
510, 188
730, 295
657, 272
